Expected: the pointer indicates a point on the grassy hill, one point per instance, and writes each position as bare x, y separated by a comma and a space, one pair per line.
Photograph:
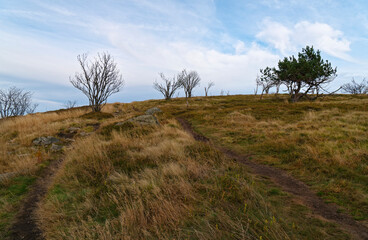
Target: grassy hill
133, 181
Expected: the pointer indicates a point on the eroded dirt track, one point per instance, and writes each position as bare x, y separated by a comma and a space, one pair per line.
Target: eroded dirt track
25, 225
301, 191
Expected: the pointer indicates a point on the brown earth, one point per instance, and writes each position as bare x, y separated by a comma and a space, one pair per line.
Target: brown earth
25, 225
301, 192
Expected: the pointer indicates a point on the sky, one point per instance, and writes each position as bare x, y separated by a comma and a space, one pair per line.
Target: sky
225, 41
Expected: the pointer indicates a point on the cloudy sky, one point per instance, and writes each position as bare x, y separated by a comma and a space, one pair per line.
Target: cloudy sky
225, 41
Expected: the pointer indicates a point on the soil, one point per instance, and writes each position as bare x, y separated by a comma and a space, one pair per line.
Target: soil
301, 192
25, 225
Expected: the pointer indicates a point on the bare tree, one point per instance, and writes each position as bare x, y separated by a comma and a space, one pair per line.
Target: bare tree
266, 81
356, 88
209, 85
99, 79
189, 81
15, 102
258, 83
70, 104
168, 87
277, 85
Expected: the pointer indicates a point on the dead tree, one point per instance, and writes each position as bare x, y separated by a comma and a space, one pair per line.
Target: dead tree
16, 102
70, 104
189, 81
356, 88
266, 81
206, 89
168, 87
99, 79
258, 83
277, 85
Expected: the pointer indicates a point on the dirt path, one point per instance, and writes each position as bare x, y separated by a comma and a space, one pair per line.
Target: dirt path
289, 184
25, 225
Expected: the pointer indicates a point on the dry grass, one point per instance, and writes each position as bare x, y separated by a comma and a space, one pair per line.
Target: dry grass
323, 143
160, 185
16, 151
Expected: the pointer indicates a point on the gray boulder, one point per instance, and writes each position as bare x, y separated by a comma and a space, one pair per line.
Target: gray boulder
45, 141
145, 120
84, 134
73, 129
142, 120
153, 110
55, 147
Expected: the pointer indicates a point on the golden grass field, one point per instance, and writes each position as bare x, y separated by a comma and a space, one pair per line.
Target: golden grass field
157, 182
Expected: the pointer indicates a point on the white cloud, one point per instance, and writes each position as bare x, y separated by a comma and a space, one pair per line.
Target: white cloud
31, 58
322, 36
276, 34
173, 41
143, 54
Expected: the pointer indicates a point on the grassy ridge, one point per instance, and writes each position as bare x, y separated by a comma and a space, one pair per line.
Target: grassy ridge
136, 182
158, 182
323, 143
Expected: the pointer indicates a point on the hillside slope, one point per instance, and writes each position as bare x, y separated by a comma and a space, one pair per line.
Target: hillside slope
120, 179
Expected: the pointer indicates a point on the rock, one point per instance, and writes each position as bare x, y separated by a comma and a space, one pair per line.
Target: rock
145, 120
73, 129
55, 147
153, 110
44, 141
84, 134
141, 120
69, 140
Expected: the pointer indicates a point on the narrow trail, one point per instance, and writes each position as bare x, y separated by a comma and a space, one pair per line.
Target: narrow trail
291, 185
25, 225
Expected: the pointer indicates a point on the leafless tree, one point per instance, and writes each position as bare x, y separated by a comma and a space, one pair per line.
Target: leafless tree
356, 88
189, 81
258, 83
277, 85
266, 81
70, 104
16, 102
266, 84
99, 79
168, 87
209, 85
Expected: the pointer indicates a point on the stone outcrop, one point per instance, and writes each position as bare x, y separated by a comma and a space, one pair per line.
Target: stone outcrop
45, 141
153, 110
56, 148
141, 120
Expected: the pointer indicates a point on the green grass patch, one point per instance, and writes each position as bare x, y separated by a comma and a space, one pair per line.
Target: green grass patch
11, 194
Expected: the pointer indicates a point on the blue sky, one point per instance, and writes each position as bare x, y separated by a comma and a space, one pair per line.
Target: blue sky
225, 41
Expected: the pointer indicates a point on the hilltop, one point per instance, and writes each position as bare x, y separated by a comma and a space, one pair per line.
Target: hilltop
226, 167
